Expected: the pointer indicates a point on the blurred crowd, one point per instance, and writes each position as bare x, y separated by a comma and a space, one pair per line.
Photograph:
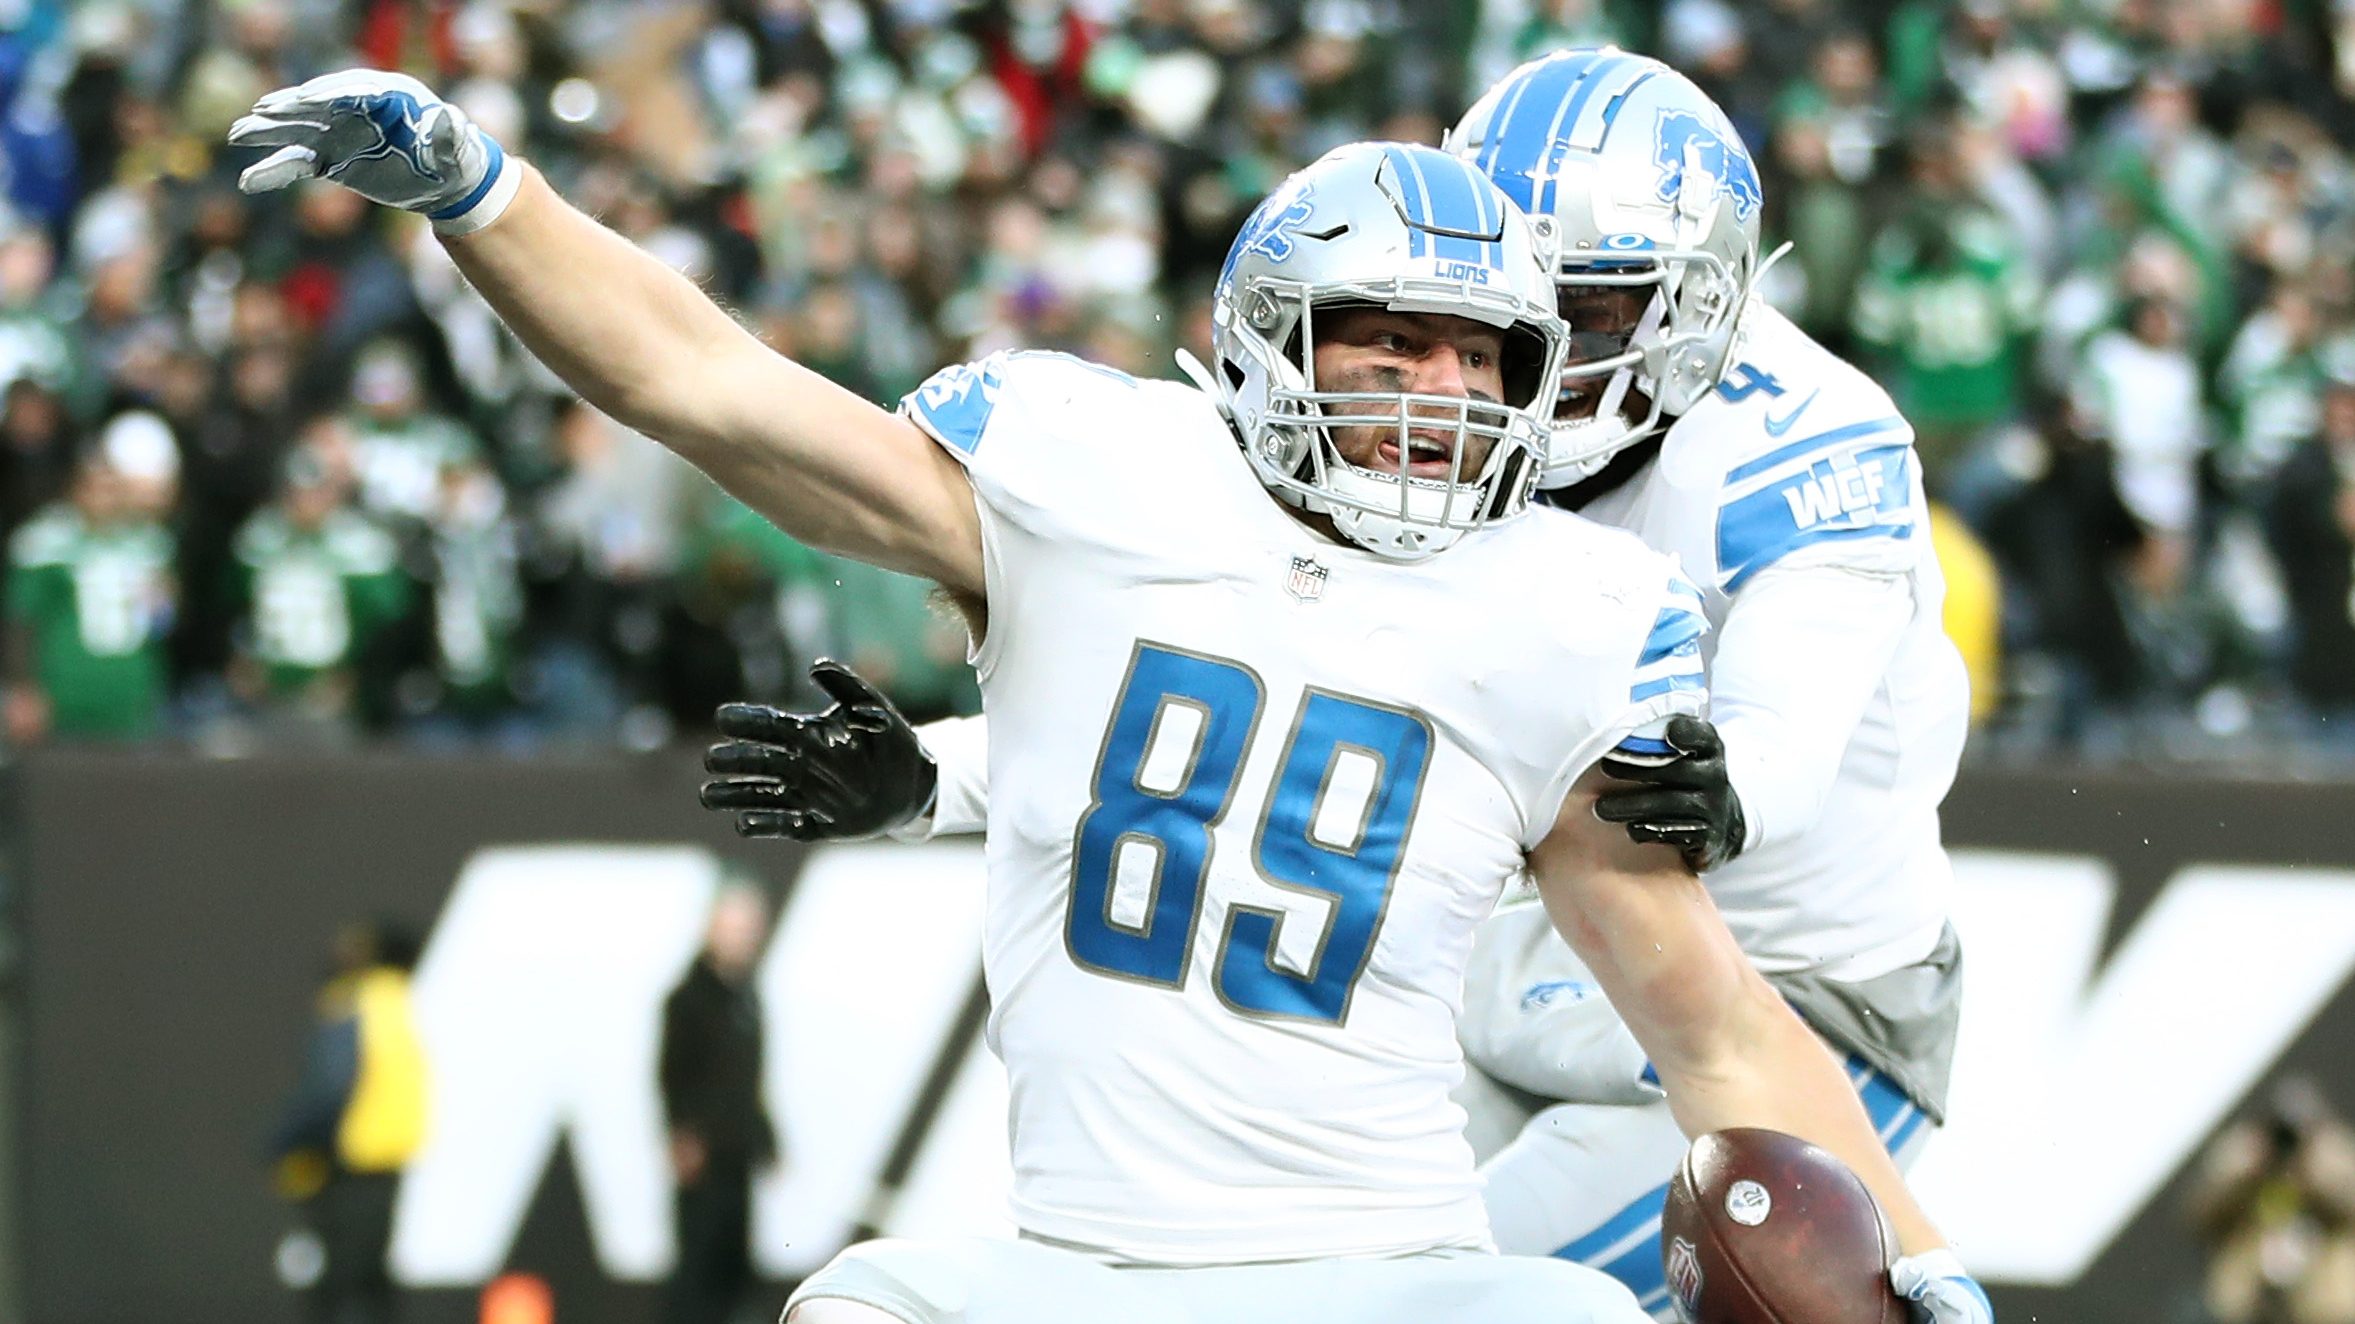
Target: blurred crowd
270, 474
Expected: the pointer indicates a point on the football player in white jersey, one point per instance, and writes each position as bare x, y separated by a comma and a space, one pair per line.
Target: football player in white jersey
1710, 425
1262, 764
1783, 479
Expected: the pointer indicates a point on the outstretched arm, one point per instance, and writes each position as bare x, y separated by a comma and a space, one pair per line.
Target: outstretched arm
1728, 1050
635, 338
640, 342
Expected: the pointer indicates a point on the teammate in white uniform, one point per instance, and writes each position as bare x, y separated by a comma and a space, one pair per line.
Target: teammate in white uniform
1783, 478
1784, 481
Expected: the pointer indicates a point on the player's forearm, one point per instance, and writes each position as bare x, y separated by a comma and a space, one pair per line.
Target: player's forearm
1729, 1052
1770, 1070
1798, 660
642, 343
1646, 927
626, 332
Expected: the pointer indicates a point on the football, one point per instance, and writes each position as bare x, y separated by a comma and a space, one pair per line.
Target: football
1764, 1228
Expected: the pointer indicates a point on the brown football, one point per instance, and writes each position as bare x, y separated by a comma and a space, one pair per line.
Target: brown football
1764, 1228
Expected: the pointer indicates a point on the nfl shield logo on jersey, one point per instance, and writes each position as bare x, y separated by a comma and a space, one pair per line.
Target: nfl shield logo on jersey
1684, 1278
1306, 582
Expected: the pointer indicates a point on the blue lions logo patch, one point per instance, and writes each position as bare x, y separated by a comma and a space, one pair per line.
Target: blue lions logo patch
1268, 230
1722, 156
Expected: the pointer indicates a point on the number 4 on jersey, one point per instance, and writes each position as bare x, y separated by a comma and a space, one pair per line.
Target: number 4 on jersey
1744, 381
1333, 740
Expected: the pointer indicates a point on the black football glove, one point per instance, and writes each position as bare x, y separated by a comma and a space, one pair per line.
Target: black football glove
855, 770
1687, 802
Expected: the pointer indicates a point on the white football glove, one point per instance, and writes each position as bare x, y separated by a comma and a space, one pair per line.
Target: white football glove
1940, 1291
386, 137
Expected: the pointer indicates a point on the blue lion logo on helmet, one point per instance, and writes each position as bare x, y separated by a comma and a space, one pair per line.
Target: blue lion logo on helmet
1268, 230
1721, 155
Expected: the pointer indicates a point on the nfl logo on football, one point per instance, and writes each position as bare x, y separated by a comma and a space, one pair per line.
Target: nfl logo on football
1684, 1278
1306, 582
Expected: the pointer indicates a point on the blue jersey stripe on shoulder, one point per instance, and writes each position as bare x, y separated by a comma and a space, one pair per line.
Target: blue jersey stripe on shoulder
1677, 628
1681, 681
1867, 493
1807, 445
1743, 575
955, 403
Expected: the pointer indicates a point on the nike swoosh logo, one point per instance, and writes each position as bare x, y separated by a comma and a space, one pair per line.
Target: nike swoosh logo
1776, 427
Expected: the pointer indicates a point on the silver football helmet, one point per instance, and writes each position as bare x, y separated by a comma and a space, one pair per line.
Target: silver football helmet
1408, 229
1635, 181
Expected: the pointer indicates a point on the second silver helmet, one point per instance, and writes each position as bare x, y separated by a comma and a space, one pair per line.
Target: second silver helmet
1637, 183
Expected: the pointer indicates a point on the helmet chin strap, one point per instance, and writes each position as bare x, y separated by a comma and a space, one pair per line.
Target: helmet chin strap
1615, 394
1385, 535
1201, 377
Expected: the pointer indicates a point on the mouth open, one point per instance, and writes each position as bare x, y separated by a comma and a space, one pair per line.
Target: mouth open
1579, 402
1430, 454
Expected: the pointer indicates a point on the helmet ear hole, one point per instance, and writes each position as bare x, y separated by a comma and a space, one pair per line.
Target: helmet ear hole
1526, 359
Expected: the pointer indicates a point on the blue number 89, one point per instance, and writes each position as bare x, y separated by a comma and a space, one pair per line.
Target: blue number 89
1357, 872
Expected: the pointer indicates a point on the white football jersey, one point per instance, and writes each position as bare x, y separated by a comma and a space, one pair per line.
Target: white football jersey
1251, 790
1791, 494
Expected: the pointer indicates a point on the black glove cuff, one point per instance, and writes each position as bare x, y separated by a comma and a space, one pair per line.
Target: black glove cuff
927, 777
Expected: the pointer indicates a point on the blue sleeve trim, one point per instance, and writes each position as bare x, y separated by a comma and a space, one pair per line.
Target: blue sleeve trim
1840, 497
955, 404
1807, 445
490, 177
1743, 575
1666, 684
1677, 630
1646, 745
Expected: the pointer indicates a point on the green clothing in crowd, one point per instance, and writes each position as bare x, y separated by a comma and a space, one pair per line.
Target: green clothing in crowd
882, 623
313, 597
1949, 304
97, 602
37, 343
477, 613
400, 463
888, 627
